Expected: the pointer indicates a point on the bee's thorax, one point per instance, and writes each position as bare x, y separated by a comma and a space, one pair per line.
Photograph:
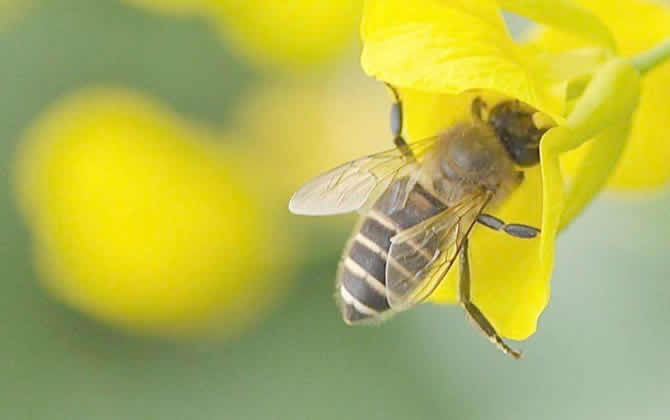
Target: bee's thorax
471, 158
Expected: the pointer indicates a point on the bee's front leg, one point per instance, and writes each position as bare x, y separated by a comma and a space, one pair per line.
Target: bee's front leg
396, 119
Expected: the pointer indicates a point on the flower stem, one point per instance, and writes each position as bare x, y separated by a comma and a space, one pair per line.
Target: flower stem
653, 57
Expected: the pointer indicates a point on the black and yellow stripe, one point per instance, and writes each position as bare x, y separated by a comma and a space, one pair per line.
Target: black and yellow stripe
361, 283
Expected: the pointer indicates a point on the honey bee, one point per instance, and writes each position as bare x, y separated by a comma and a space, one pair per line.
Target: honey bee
419, 203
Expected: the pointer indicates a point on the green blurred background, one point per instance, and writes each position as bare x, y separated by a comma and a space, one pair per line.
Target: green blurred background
600, 350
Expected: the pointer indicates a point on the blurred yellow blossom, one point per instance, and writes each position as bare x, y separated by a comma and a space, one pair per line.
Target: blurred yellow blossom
13, 10
289, 34
140, 222
442, 53
174, 7
296, 130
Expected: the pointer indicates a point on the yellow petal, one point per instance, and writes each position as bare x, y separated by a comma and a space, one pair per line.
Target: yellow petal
592, 165
643, 164
449, 47
611, 96
427, 114
602, 113
566, 16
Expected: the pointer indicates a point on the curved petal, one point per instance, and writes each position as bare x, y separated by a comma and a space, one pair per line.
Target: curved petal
428, 113
449, 47
592, 165
602, 113
643, 164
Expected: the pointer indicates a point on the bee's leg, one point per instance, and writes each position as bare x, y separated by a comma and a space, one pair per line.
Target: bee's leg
472, 311
396, 124
514, 229
477, 108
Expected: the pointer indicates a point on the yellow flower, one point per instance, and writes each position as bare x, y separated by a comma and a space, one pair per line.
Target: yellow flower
289, 35
637, 26
12, 11
138, 222
440, 54
297, 130
173, 7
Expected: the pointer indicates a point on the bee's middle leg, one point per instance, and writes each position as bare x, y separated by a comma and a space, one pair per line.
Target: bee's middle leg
514, 229
472, 312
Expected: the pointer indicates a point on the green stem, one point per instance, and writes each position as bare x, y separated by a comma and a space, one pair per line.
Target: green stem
653, 57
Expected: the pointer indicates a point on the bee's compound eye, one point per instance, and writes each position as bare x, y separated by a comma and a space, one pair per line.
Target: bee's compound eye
524, 156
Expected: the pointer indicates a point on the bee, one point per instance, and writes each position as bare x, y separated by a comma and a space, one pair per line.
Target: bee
419, 203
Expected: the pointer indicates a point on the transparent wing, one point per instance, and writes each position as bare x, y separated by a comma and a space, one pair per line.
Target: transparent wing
421, 256
348, 187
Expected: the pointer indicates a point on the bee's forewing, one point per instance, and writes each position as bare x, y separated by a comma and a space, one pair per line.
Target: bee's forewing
340, 190
421, 256
348, 187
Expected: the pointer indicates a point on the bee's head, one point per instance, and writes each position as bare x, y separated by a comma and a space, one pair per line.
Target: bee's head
513, 123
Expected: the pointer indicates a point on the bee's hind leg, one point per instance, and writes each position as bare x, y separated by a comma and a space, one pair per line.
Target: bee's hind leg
514, 229
472, 312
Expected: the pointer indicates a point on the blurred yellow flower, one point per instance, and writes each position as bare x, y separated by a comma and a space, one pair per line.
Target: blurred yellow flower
140, 222
442, 53
296, 130
290, 34
173, 7
12, 10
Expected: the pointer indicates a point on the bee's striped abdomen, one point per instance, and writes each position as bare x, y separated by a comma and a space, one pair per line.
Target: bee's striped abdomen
361, 283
